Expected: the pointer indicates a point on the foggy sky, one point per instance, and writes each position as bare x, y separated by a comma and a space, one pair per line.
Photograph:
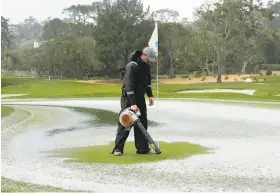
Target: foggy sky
18, 10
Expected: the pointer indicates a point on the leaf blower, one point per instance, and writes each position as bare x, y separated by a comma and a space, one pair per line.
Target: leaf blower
129, 118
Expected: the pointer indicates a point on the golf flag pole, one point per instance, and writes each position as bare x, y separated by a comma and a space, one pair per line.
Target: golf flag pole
153, 43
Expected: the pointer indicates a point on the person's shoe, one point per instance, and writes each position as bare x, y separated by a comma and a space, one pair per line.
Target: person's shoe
117, 153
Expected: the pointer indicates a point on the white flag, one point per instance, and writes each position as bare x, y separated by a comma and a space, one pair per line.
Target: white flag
153, 43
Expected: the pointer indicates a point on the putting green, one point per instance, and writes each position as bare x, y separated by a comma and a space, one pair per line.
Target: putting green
102, 153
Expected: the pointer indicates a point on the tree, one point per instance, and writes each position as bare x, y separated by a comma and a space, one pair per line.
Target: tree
121, 29
87, 56
202, 53
271, 47
167, 15
6, 36
55, 28
81, 15
6, 39
274, 10
174, 40
216, 24
97, 39
29, 29
234, 27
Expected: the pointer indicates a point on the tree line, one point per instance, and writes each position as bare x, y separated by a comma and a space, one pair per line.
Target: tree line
241, 36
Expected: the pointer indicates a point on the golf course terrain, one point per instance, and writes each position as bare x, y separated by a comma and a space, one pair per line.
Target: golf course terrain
266, 89
8, 185
213, 122
6, 111
70, 125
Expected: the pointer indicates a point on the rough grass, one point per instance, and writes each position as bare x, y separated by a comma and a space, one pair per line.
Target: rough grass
8, 185
38, 88
6, 111
102, 153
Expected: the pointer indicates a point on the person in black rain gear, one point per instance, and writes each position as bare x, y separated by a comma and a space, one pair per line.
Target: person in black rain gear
137, 83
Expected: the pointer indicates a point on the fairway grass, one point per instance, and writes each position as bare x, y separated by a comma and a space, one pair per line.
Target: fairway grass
39, 88
8, 185
102, 153
6, 111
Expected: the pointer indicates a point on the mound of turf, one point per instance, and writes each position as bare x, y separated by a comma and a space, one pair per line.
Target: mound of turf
6, 111
102, 153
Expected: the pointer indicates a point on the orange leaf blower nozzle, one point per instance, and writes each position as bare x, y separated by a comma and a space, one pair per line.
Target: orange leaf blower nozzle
128, 117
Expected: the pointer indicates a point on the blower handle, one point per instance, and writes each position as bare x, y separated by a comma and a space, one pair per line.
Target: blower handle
138, 113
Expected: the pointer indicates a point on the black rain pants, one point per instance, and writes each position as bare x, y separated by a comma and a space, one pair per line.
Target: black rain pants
141, 144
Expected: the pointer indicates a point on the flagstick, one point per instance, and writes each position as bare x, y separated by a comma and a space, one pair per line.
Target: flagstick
157, 87
154, 44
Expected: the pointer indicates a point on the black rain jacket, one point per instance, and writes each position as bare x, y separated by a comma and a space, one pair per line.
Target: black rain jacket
137, 79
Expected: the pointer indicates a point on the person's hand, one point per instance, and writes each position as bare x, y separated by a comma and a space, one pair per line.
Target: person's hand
134, 108
151, 101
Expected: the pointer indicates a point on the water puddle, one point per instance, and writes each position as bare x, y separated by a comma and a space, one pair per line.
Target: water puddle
239, 136
105, 117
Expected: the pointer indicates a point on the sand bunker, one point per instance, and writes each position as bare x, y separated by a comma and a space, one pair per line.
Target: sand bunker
207, 79
248, 92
